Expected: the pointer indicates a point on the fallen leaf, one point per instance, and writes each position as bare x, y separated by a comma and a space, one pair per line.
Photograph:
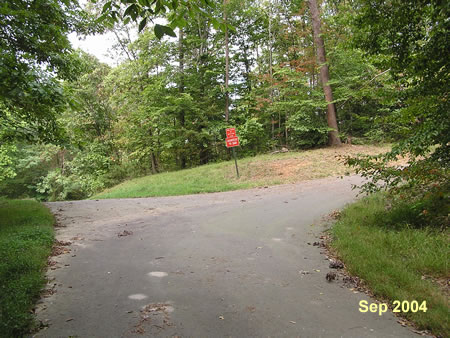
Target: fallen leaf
331, 276
336, 264
124, 233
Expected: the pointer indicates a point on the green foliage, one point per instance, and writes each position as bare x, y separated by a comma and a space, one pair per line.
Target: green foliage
365, 96
34, 54
420, 187
58, 186
89, 116
49, 172
30, 163
26, 238
251, 136
145, 11
85, 174
412, 37
163, 108
6, 162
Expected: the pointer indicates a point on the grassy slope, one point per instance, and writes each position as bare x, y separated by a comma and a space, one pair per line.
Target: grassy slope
255, 172
392, 261
26, 237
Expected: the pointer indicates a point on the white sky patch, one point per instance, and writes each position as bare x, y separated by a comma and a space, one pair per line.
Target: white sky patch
97, 45
100, 45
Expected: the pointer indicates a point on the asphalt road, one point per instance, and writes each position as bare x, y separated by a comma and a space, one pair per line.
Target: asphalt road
235, 264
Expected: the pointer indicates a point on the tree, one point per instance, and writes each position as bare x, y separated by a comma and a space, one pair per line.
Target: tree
34, 48
35, 54
144, 12
333, 135
412, 38
89, 117
227, 62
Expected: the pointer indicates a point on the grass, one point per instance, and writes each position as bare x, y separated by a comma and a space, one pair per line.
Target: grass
26, 238
396, 263
262, 170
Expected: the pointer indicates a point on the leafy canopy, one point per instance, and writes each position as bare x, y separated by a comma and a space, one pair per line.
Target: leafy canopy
143, 12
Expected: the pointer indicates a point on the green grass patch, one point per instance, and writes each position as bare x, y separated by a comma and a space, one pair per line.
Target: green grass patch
254, 172
26, 238
396, 262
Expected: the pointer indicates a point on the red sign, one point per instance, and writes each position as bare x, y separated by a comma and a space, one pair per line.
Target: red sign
232, 142
231, 132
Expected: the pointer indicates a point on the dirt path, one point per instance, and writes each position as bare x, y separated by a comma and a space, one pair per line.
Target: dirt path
237, 264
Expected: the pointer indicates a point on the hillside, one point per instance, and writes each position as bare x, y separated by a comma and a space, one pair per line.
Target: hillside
262, 170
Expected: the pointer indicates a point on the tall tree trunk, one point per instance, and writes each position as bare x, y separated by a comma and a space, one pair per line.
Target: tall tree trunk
181, 89
153, 159
154, 162
286, 130
333, 136
247, 68
227, 62
203, 33
271, 71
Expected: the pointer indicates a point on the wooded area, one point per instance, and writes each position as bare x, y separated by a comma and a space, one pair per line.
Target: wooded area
290, 76
293, 74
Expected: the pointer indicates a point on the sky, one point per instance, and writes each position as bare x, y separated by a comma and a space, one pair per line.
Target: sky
96, 45
100, 44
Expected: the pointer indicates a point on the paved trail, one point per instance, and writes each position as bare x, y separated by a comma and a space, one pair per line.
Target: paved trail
212, 265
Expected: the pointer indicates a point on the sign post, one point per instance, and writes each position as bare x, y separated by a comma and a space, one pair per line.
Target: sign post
235, 162
231, 142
